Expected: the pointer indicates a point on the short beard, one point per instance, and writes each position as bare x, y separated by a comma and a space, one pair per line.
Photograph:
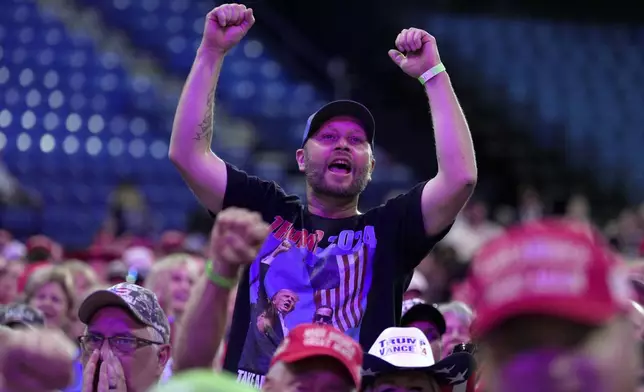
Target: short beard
315, 172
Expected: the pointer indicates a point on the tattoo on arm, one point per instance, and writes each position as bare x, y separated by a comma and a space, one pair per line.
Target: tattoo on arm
205, 127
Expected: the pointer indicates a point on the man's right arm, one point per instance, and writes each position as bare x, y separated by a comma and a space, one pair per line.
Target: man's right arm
203, 171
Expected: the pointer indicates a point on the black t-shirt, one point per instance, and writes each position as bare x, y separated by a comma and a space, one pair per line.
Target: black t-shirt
349, 272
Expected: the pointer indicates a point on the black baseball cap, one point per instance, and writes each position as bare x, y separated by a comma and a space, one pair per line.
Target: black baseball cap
21, 315
343, 107
416, 309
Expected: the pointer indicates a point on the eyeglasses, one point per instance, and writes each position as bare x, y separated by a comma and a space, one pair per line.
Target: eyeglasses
122, 344
322, 319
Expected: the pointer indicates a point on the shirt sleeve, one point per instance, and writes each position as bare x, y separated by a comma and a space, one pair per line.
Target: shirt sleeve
252, 193
403, 215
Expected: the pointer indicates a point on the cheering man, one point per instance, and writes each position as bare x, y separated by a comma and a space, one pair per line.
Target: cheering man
355, 263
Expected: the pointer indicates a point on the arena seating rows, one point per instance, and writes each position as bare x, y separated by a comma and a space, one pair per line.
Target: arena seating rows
74, 121
585, 79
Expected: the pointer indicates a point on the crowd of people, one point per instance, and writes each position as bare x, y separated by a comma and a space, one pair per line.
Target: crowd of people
294, 295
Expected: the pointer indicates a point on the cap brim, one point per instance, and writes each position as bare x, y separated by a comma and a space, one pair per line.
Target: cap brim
451, 370
13, 324
343, 108
103, 299
425, 312
588, 312
295, 356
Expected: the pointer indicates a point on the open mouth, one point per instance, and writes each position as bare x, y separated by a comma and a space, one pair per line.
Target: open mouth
340, 166
181, 297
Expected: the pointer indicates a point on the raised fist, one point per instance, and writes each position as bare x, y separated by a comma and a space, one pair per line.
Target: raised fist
237, 237
416, 52
35, 360
225, 26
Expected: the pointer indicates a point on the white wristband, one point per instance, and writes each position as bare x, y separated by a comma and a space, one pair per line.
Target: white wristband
430, 73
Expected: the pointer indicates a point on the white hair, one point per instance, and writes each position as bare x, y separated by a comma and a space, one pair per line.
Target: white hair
461, 309
158, 275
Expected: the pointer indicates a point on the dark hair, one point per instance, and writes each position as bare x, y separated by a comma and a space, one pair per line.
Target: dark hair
38, 254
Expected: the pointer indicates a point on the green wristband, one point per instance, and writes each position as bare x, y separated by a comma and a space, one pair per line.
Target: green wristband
218, 280
430, 73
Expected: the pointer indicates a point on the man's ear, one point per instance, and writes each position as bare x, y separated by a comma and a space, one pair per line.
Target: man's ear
164, 356
299, 157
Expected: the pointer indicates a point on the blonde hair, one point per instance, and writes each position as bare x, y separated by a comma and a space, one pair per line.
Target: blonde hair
460, 309
160, 270
50, 274
78, 267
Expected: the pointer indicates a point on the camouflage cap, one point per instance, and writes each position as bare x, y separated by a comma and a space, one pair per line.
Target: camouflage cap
139, 301
21, 314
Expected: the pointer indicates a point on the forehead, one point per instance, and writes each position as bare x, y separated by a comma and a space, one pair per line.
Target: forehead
453, 317
423, 325
183, 269
321, 365
50, 287
405, 378
343, 124
114, 319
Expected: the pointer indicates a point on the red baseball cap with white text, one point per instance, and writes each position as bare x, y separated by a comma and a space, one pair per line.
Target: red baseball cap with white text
312, 340
552, 267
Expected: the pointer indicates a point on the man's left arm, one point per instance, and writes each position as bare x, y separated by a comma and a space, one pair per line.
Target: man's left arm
444, 195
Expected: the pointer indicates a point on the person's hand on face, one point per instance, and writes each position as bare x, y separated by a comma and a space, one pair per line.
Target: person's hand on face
110, 374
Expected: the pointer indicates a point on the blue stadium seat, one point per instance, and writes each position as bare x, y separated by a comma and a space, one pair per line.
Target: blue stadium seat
74, 121
567, 72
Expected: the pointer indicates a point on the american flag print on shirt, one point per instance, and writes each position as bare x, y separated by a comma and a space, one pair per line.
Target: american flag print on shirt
304, 277
347, 297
